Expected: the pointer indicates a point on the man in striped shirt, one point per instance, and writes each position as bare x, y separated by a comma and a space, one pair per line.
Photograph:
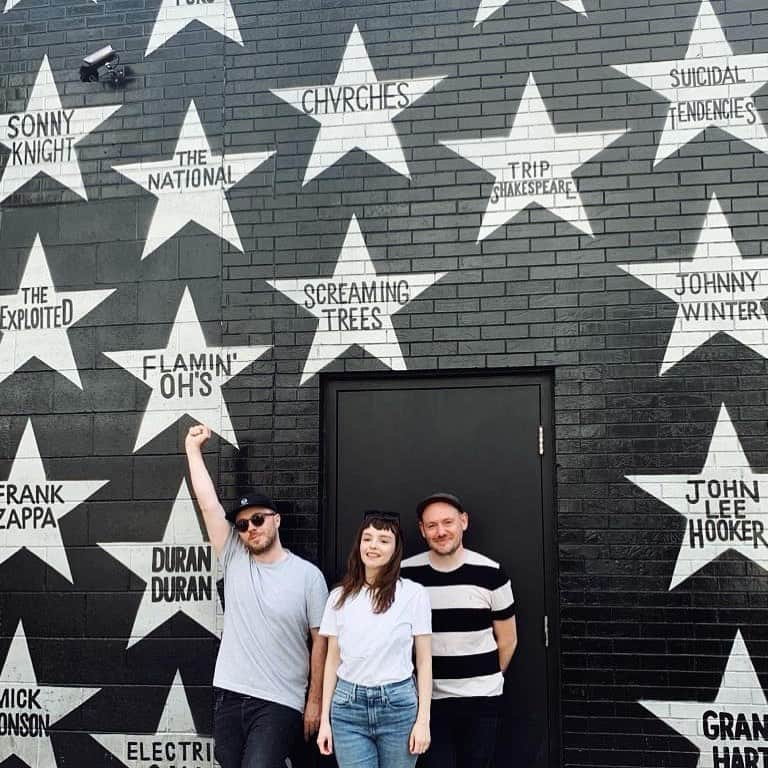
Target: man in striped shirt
473, 636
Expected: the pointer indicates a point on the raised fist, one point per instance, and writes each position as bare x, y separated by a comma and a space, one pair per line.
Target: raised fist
197, 436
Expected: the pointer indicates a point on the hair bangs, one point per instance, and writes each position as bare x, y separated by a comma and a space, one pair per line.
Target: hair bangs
382, 522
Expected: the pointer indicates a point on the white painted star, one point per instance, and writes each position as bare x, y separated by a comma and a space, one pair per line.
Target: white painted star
718, 291
175, 743
44, 705
192, 185
183, 554
34, 321
42, 138
739, 699
175, 15
712, 99
725, 505
357, 111
487, 8
533, 164
31, 507
355, 305
186, 377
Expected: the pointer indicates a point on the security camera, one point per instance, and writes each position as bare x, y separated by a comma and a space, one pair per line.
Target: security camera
104, 57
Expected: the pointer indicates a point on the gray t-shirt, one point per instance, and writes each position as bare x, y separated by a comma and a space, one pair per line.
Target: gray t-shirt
269, 609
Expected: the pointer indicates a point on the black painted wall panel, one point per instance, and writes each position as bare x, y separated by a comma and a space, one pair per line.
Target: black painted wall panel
538, 292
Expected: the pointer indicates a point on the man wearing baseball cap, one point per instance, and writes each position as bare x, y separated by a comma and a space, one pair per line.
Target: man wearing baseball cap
474, 636
274, 601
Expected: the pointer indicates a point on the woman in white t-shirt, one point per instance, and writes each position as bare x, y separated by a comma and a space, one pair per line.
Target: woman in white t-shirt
372, 714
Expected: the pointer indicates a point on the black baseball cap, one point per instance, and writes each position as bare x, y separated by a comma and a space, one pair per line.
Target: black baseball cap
251, 500
448, 498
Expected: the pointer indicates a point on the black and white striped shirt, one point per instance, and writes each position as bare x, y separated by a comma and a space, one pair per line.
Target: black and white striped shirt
465, 603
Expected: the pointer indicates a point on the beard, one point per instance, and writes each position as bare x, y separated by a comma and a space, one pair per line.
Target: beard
446, 548
264, 546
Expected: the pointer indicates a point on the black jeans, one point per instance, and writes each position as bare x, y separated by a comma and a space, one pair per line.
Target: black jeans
253, 733
463, 734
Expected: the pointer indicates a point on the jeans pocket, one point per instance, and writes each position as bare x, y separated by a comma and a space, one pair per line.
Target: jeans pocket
341, 698
403, 698
218, 699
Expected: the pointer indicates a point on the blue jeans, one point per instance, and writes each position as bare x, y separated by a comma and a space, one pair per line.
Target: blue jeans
253, 733
371, 726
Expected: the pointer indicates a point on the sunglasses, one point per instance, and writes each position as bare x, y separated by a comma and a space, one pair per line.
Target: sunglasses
257, 520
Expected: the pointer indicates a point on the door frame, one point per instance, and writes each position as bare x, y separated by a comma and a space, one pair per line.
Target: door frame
331, 385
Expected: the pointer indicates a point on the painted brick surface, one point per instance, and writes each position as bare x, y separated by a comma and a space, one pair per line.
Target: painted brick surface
533, 189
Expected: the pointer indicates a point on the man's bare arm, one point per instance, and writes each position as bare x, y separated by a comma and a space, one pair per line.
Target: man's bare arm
217, 525
506, 638
315, 693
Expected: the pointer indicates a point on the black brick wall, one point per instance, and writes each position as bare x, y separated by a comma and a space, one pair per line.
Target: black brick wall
536, 294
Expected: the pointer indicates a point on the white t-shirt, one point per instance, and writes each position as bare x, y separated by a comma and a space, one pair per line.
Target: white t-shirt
377, 648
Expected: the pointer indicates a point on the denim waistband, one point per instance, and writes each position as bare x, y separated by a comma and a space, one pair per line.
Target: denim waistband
368, 692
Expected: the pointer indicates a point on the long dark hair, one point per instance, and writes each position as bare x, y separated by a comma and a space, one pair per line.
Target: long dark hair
383, 590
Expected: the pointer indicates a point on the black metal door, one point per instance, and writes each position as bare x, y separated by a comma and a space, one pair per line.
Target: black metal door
391, 440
